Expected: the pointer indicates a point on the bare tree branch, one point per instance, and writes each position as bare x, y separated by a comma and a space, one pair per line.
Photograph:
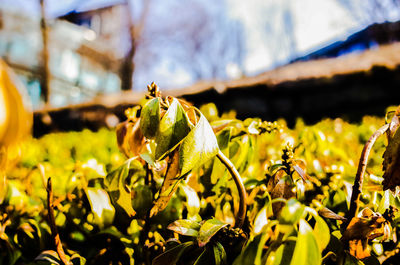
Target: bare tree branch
362, 165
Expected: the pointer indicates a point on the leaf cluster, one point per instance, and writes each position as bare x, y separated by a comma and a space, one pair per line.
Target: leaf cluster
298, 184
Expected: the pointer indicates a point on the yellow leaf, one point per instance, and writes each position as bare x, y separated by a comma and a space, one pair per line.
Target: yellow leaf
15, 113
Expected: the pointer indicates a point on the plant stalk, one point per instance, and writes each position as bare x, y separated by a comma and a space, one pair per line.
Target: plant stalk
358, 181
241, 214
53, 227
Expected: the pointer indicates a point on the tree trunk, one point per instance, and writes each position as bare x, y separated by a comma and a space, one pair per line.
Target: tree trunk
135, 31
45, 73
128, 66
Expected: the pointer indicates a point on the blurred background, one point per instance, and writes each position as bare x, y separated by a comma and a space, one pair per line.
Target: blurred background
84, 61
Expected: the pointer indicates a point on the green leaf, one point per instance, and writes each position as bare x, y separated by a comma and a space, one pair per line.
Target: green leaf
321, 230
198, 147
142, 200
262, 240
185, 227
248, 255
292, 212
261, 220
210, 111
387, 200
116, 186
173, 128
150, 118
272, 169
239, 151
146, 156
283, 255
306, 251
171, 256
223, 138
219, 254
208, 230
218, 170
101, 206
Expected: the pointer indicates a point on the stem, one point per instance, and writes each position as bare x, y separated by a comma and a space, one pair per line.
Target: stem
147, 222
52, 222
241, 214
362, 165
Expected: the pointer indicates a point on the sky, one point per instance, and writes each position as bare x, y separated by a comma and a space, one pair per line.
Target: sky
314, 23
273, 32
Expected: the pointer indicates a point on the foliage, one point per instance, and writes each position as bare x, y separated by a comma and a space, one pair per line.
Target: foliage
173, 201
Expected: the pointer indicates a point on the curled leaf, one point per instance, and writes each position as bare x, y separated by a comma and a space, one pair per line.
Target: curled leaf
101, 206
219, 254
208, 230
150, 118
320, 230
198, 147
173, 128
130, 138
116, 186
306, 251
185, 227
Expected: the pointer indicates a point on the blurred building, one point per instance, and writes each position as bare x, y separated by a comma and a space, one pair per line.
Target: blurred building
85, 53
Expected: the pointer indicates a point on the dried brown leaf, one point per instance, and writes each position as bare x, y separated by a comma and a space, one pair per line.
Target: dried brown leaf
280, 187
359, 248
394, 124
169, 185
367, 226
329, 214
391, 156
301, 171
391, 163
130, 138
